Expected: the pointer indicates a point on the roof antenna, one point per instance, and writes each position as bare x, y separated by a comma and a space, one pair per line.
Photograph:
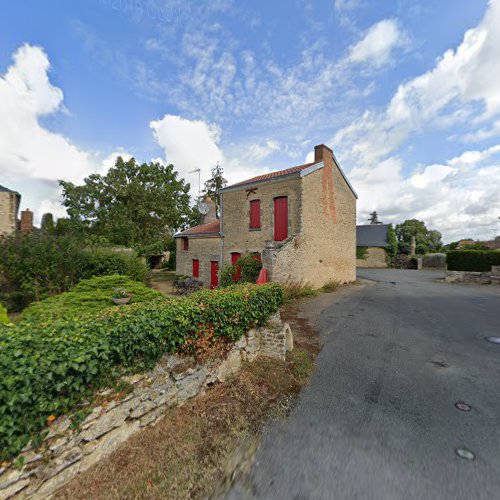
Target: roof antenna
199, 181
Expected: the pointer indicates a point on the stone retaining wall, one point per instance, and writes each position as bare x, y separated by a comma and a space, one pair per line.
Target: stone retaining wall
484, 278
65, 452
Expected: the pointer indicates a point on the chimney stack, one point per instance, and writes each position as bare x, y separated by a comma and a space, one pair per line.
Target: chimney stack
26, 225
321, 152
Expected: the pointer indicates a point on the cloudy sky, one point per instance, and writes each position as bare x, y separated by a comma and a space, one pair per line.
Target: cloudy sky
406, 92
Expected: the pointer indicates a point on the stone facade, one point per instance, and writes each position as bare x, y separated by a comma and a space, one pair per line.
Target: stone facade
205, 249
9, 206
66, 452
375, 258
321, 227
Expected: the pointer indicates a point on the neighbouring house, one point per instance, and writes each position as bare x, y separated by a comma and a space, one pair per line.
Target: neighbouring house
371, 241
491, 244
300, 222
9, 207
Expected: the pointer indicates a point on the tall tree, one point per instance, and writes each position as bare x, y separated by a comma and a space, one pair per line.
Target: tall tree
47, 225
374, 218
426, 240
216, 182
134, 204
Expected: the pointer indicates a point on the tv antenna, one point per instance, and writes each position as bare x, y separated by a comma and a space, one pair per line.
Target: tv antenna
199, 181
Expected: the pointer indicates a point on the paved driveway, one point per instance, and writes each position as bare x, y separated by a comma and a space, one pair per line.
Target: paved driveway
378, 420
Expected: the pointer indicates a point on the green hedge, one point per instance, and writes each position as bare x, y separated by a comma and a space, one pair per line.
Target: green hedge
472, 260
36, 266
87, 297
49, 370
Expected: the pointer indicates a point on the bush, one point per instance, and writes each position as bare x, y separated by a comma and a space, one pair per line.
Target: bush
47, 371
245, 270
87, 297
36, 266
472, 260
4, 318
361, 253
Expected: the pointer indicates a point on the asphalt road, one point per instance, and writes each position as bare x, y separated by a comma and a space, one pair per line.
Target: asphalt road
378, 420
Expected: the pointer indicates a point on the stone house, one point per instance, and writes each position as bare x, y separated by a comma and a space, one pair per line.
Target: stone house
9, 207
300, 222
372, 238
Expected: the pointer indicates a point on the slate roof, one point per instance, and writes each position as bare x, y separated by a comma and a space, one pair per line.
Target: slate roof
211, 228
371, 235
3, 189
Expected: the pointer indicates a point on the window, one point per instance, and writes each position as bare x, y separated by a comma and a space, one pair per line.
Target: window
280, 218
185, 242
234, 259
196, 268
255, 214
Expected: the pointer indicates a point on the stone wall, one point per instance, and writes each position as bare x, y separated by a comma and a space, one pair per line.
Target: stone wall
478, 278
375, 258
66, 452
325, 249
8, 212
238, 237
205, 249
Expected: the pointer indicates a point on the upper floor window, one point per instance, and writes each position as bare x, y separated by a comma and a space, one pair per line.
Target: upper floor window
255, 214
185, 243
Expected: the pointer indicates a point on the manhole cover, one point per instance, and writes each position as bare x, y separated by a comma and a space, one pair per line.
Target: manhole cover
465, 454
462, 406
493, 340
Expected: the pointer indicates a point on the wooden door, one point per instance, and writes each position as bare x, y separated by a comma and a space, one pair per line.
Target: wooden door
280, 218
214, 278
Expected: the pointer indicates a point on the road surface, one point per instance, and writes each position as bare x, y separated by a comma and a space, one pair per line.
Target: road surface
378, 420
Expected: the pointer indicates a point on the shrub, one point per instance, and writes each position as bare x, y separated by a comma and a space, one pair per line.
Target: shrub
47, 371
245, 270
294, 291
472, 260
36, 266
361, 253
4, 319
87, 297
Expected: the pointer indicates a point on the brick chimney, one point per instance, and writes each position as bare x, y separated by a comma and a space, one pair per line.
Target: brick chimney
26, 225
211, 215
322, 152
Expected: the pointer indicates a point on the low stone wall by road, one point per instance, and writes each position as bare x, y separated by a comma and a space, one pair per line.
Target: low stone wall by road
65, 452
484, 278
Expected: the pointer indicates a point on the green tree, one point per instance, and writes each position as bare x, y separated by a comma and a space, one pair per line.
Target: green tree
392, 244
134, 204
47, 225
426, 240
216, 182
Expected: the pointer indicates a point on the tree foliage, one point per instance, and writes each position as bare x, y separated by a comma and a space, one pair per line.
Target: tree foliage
392, 244
426, 240
133, 204
216, 182
47, 225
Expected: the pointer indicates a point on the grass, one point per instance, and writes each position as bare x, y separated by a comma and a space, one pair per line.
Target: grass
294, 291
200, 447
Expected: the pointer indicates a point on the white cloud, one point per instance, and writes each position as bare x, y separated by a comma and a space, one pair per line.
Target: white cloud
378, 44
26, 147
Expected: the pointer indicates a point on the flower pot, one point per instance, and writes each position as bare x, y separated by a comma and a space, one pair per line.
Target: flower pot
122, 300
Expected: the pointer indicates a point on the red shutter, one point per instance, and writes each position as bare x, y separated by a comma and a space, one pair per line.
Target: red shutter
234, 259
196, 268
280, 218
255, 214
257, 256
214, 278
186, 243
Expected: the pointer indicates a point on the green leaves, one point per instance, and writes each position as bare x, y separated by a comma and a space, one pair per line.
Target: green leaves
48, 368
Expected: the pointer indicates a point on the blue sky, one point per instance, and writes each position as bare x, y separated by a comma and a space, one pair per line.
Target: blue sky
404, 92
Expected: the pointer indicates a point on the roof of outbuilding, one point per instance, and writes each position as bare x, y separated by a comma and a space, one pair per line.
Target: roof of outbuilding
209, 229
372, 235
7, 190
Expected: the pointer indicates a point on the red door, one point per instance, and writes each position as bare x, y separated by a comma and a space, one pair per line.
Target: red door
196, 268
280, 218
214, 278
234, 258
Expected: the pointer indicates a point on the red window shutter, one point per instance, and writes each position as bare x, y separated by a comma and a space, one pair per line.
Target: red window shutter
257, 256
186, 243
255, 214
234, 259
196, 268
280, 218
214, 278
